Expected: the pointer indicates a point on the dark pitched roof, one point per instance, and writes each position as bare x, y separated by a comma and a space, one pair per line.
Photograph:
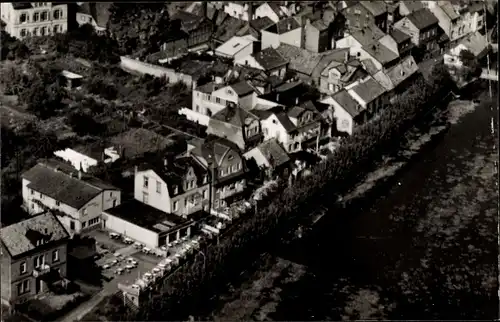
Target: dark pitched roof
270, 58
261, 23
234, 115
136, 142
273, 152
188, 20
213, 148
283, 26
60, 186
347, 102
376, 8
399, 36
208, 88
22, 237
412, 5
449, 11
148, 217
368, 34
296, 111
242, 88
285, 121
422, 18
229, 27
369, 90
381, 53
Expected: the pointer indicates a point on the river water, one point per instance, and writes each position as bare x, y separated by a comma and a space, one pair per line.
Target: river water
426, 248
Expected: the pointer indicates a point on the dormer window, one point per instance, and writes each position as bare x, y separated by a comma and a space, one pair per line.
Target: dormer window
23, 18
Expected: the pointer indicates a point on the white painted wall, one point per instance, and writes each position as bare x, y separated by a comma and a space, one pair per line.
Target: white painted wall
351, 43
237, 10
249, 61
162, 200
293, 38
194, 116
272, 128
123, 227
264, 10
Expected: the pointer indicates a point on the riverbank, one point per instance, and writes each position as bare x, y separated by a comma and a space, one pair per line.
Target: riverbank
367, 301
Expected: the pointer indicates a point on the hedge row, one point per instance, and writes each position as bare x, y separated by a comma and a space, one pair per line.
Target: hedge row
278, 214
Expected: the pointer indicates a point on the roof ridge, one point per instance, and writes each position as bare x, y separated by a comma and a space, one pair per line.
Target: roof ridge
71, 177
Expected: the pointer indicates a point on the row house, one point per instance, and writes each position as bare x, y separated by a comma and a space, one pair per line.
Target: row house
227, 168
236, 125
337, 75
322, 29
33, 257
268, 60
271, 158
408, 7
380, 56
369, 94
79, 200
346, 112
286, 31
398, 42
397, 79
199, 29
211, 98
423, 28
177, 186
457, 21
293, 129
23, 19
354, 40
365, 13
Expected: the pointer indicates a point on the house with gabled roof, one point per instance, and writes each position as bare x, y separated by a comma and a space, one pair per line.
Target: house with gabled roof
397, 79
79, 199
337, 75
236, 47
270, 157
198, 28
271, 10
408, 7
227, 168
354, 40
237, 125
33, 257
379, 54
286, 31
95, 14
269, 60
398, 42
360, 14
369, 94
346, 112
423, 28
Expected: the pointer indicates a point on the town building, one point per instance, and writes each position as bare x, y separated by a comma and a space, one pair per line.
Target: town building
272, 10
369, 94
243, 10
227, 168
408, 7
145, 224
77, 199
286, 31
33, 257
337, 75
237, 125
346, 111
95, 14
423, 28
270, 157
23, 19
475, 43
236, 48
198, 29
364, 13
398, 42
268, 60
356, 39
458, 21
322, 29
397, 79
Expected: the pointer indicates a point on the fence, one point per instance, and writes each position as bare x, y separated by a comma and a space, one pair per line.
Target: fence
133, 65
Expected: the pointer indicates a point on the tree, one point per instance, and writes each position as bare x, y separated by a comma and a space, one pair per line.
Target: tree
138, 26
472, 68
84, 124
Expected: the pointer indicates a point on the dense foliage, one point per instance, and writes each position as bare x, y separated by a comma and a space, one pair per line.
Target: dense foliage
140, 26
472, 67
12, 48
278, 214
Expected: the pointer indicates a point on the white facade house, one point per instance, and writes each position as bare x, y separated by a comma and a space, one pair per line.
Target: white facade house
273, 11
238, 10
82, 158
368, 93
79, 201
235, 48
345, 109
476, 43
287, 31
24, 19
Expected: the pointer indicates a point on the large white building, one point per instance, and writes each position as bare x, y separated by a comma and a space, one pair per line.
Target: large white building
78, 201
24, 19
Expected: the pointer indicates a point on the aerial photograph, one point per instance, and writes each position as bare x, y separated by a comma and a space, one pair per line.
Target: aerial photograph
249, 161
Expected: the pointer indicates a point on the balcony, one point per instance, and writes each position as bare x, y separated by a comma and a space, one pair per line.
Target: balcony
41, 270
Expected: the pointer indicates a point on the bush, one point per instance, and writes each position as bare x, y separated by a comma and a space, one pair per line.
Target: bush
84, 124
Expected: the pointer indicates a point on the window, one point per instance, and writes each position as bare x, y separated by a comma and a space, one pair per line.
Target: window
58, 203
43, 31
234, 168
55, 29
90, 19
217, 100
145, 197
94, 221
330, 87
229, 170
158, 186
23, 18
197, 108
36, 16
58, 14
23, 287
23, 33
205, 194
185, 202
72, 225
55, 255
216, 203
23, 268
32, 191
39, 261
41, 196
221, 172
44, 16
239, 165
176, 205
145, 180
84, 224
